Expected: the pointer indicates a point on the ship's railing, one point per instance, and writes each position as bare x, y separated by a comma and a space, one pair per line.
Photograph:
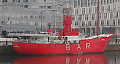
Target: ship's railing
28, 34
103, 35
6, 41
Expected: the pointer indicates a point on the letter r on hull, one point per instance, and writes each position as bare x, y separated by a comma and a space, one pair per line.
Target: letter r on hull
87, 45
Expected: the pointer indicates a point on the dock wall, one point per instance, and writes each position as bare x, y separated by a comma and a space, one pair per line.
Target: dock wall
7, 50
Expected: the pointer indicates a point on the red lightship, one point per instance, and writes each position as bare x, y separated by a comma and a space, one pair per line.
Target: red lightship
67, 41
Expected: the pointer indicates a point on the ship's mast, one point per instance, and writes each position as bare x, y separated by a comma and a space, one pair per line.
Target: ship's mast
97, 18
67, 18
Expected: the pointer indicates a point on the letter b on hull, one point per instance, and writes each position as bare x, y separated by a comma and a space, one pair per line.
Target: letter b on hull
67, 46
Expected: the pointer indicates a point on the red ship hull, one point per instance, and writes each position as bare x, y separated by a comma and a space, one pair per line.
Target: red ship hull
72, 59
85, 46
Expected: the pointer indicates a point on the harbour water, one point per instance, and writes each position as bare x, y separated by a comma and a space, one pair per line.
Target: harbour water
108, 57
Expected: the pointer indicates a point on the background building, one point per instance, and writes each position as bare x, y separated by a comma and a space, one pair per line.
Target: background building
30, 15
0, 17
85, 16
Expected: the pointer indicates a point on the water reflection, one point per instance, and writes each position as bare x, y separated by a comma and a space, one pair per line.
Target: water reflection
113, 57
114, 60
104, 58
69, 59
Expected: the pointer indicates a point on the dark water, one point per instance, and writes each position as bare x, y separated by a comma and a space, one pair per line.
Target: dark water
111, 57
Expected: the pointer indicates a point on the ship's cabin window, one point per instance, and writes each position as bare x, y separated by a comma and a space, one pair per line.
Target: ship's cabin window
65, 39
79, 41
48, 39
74, 41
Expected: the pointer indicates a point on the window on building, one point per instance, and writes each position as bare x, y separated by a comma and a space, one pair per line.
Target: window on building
92, 2
95, 2
13, 21
108, 22
113, 22
26, 6
78, 3
93, 16
119, 7
111, 1
19, 22
53, 24
13, 0
114, 1
25, 0
102, 9
4, 0
76, 23
116, 15
86, 17
118, 22
73, 18
114, 7
83, 23
105, 2
36, 16
16, 22
85, 3
31, 16
30, 22
95, 9
25, 16
109, 7
80, 18
33, 0
90, 10
89, 2
3, 22
102, 22
82, 3
12, 14
95, 23
75, 3
44, 0
89, 23
49, 7
83, 10
111, 15
76, 11
44, 17
22, 22
102, 2
105, 16
18, 0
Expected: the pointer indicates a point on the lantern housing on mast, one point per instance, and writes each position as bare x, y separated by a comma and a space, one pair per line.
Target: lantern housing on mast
67, 9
